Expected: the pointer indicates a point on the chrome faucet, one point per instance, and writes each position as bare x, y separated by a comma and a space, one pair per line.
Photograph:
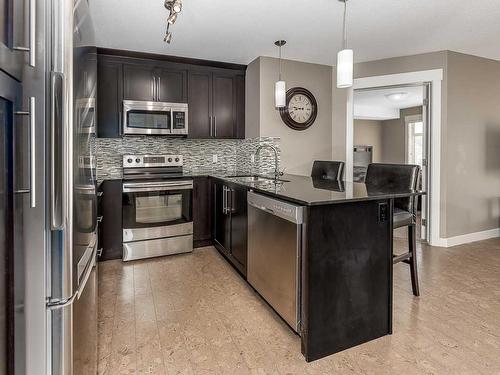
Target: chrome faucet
277, 172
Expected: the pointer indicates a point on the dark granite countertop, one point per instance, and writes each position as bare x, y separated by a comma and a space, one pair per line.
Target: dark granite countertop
305, 190
308, 191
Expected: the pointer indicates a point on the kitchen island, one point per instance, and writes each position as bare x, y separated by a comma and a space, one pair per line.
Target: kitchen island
345, 273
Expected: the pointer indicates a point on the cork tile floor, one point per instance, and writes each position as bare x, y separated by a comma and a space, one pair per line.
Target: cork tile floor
193, 314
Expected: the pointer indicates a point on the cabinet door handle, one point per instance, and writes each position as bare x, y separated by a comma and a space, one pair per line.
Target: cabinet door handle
210, 124
121, 123
224, 200
32, 151
154, 88
231, 207
158, 85
32, 34
215, 126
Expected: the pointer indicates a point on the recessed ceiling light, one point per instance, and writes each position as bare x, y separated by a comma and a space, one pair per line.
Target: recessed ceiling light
397, 96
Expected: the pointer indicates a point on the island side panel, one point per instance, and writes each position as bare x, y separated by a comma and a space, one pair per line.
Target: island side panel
346, 276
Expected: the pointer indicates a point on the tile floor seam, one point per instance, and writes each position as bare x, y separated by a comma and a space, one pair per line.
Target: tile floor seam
135, 321
156, 318
113, 325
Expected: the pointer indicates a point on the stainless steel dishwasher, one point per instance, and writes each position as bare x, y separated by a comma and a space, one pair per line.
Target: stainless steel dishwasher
274, 254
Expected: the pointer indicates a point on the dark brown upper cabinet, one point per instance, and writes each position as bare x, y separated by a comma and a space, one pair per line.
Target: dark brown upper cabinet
171, 85
139, 83
216, 101
109, 97
200, 104
151, 83
214, 91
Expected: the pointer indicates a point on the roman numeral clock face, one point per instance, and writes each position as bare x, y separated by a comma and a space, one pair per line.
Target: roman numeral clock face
301, 109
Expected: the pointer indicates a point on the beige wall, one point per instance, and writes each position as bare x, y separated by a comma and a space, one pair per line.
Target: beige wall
387, 137
252, 99
298, 148
405, 64
472, 170
470, 135
393, 137
369, 133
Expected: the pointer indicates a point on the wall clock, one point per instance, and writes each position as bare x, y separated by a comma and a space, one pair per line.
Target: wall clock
301, 109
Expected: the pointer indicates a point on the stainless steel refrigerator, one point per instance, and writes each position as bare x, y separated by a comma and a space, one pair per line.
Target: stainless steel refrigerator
48, 271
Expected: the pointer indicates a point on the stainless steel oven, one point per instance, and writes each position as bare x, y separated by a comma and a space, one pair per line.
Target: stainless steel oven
157, 211
154, 118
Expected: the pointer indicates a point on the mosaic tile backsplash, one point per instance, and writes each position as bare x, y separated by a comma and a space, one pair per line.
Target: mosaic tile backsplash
232, 154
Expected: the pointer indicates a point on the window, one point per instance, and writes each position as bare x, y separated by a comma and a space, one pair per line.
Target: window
414, 139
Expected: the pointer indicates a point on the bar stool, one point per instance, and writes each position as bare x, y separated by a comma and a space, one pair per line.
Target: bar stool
400, 177
327, 170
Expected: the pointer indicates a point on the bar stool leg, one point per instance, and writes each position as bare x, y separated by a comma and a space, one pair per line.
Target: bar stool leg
412, 243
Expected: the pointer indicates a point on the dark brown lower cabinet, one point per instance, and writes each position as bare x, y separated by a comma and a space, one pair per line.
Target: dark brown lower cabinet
202, 223
230, 223
111, 224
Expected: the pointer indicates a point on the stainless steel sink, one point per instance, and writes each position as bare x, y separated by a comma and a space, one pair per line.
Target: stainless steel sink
252, 179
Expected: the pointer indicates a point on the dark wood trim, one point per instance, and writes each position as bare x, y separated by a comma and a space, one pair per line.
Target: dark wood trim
112, 227
169, 58
390, 265
202, 243
346, 277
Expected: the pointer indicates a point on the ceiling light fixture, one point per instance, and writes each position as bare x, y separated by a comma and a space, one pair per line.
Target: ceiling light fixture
397, 96
345, 58
177, 7
174, 7
172, 18
168, 37
280, 85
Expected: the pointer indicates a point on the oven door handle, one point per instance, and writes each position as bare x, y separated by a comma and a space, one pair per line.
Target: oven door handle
138, 189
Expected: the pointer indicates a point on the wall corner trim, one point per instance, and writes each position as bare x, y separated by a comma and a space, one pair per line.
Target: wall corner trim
435, 77
468, 238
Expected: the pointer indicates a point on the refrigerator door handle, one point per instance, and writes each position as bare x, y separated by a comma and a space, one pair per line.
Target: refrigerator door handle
56, 304
32, 117
32, 34
57, 151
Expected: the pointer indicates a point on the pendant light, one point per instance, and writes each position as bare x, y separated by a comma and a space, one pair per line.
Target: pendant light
345, 58
280, 86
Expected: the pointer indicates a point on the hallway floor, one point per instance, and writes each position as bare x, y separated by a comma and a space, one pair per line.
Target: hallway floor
193, 314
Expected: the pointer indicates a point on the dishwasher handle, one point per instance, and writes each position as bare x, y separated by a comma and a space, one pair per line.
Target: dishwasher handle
275, 207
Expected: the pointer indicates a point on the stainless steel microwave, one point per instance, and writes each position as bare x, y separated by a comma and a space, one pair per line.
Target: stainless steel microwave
155, 118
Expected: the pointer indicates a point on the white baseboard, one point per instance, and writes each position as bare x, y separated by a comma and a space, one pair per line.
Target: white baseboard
467, 238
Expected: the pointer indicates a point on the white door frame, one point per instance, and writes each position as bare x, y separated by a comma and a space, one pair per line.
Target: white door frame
435, 77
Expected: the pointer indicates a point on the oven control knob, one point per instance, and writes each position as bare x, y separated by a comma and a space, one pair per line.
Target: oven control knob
170, 160
137, 160
176, 160
129, 161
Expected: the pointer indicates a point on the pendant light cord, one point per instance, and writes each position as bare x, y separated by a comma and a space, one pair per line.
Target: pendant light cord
344, 41
279, 78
